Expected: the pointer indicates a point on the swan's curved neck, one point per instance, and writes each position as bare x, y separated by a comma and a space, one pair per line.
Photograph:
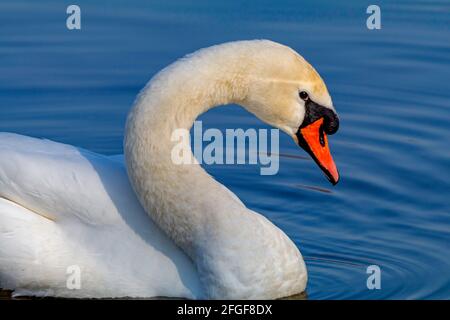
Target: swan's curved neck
183, 200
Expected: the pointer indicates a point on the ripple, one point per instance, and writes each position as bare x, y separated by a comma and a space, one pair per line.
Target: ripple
314, 188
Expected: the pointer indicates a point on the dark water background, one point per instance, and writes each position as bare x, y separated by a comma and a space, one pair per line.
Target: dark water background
390, 87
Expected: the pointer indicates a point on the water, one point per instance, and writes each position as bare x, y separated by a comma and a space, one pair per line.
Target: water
390, 87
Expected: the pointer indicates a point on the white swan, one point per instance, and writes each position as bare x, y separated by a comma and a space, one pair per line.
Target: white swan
67, 214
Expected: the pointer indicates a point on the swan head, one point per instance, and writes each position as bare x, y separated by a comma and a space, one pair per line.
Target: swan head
285, 91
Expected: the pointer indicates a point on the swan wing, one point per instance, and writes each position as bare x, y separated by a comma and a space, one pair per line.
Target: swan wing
61, 182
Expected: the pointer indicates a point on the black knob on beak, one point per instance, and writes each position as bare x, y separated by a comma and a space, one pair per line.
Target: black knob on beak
331, 121
316, 111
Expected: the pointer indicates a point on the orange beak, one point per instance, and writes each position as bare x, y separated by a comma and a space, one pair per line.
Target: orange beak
313, 139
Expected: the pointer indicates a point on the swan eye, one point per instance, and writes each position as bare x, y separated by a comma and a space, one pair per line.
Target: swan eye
304, 95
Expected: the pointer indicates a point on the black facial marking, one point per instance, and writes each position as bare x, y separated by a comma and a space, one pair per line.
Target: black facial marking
315, 111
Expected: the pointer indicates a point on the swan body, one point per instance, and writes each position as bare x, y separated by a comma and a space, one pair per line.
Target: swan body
143, 226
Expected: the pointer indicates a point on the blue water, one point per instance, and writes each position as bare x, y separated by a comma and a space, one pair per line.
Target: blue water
390, 87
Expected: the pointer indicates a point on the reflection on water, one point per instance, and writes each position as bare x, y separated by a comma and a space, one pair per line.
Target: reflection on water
7, 295
390, 88
314, 188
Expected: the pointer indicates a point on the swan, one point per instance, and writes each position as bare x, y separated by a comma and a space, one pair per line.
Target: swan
139, 225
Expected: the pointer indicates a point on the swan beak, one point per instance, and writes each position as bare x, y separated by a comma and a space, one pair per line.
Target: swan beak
313, 139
